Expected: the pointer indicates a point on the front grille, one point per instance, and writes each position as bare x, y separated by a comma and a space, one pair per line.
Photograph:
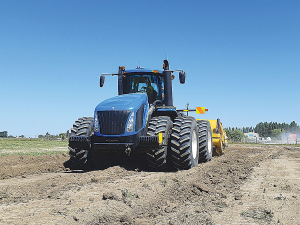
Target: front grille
113, 122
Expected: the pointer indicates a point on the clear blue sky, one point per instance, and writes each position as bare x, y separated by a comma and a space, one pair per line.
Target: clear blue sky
241, 57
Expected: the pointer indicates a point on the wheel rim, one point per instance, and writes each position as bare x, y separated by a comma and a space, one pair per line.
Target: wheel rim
194, 144
209, 144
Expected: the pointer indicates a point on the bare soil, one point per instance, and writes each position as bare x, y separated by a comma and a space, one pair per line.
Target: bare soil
249, 184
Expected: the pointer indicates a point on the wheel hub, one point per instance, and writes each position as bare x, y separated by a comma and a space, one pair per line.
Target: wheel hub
209, 144
194, 144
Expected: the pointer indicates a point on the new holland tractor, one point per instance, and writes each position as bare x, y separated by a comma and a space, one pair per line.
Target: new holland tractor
142, 119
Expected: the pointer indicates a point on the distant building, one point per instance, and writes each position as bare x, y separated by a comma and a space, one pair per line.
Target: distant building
3, 134
290, 137
251, 135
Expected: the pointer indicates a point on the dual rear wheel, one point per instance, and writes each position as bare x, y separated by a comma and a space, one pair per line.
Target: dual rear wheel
205, 141
186, 142
157, 159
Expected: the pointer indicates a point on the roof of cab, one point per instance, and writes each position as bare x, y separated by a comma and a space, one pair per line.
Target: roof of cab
143, 70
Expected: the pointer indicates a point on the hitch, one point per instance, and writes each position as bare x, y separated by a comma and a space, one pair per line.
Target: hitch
128, 150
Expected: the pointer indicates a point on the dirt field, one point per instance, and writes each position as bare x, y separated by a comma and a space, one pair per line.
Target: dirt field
250, 184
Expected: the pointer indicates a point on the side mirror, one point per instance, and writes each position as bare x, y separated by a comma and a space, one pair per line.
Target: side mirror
102, 79
182, 77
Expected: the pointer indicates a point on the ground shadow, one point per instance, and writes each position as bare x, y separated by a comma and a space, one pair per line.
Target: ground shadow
136, 162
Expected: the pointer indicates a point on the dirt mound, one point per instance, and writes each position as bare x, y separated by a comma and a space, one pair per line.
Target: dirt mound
23, 165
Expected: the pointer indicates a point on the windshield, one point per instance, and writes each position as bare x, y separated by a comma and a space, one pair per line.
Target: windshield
145, 83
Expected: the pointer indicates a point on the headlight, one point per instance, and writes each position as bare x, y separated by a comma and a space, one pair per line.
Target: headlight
130, 123
96, 123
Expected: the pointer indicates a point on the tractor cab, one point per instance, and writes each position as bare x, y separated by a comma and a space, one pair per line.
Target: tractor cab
157, 84
144, 81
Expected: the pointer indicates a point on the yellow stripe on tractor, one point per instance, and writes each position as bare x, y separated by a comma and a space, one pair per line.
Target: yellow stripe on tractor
218, 136
160, 138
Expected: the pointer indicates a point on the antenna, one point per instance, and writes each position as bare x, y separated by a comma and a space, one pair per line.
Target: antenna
187, 108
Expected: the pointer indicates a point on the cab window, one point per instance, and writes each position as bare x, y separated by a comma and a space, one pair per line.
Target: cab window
145, 83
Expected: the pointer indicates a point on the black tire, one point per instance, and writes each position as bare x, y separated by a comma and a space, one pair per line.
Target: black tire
157, 159
79, 151
184, 143
205, 141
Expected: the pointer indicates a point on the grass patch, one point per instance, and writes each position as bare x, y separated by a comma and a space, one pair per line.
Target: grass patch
4, 194
163, 181
127, 194
34, 147
32, 153
287, 187
221, 204
259, 214
175, 179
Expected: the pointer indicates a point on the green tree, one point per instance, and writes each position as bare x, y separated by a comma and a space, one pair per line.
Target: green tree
294, 128
265, 129
237, 135
62, 136
276, 133
47, 136
228, 133
251, 129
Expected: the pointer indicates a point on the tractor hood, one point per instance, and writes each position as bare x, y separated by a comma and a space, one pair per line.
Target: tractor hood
130, 102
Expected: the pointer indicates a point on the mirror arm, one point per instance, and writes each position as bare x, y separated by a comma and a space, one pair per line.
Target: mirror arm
111, 74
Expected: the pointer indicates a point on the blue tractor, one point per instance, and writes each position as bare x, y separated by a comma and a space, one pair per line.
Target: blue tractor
141, 119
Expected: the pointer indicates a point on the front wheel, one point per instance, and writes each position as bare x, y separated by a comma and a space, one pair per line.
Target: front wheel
184, 143
79, 150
